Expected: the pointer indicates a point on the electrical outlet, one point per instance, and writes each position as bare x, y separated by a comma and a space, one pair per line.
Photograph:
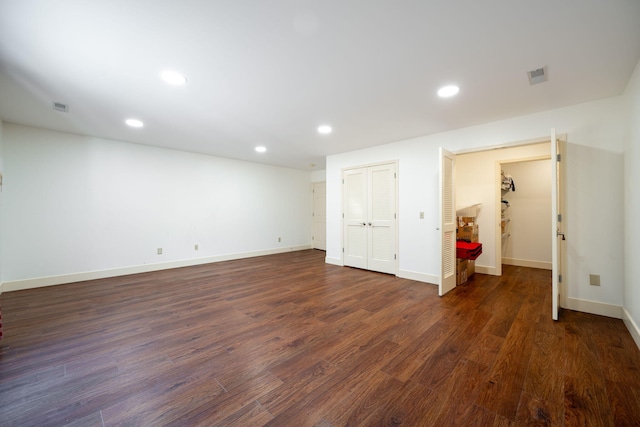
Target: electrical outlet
594, 279
195, 247
159, 251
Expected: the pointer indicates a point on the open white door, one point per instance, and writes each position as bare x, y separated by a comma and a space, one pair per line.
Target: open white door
447, 222
557, 230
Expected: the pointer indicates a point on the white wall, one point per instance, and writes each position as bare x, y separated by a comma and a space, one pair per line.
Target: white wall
594, 227
76, 204
595, 127
319, 176
632, 206
476, 176
529, 241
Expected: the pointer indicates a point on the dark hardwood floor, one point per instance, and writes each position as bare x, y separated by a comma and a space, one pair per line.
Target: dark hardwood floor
287, 340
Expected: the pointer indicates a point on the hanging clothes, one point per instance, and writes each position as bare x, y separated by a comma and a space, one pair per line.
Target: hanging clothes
507, 182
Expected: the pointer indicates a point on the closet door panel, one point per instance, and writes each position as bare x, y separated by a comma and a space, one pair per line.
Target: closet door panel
355, 254
355, 218
381, 246
381, 224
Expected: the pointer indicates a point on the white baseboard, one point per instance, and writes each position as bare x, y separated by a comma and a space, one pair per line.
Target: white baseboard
39, 282
633, 328
486, 270
404, 274
420, 277
594, 307
527, 263
333, 261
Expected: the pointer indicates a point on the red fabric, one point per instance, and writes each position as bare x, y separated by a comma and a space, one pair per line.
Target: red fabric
468, 250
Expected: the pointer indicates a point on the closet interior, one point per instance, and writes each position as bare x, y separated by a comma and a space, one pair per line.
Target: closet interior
525, 215
506, 185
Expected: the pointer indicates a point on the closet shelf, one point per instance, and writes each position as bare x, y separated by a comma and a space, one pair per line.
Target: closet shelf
469, 211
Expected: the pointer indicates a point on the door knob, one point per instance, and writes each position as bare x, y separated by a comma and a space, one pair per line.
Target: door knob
369, 224
560, 234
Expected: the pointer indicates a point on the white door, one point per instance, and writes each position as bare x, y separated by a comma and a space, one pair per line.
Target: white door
355, 217
370, 218
557, 229
381, 229
319, 215
447, 222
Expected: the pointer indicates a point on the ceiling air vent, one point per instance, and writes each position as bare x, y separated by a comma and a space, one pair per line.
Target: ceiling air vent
59, 106
538, 75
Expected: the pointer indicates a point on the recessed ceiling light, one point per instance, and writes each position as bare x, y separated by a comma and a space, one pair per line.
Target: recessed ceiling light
448, 91
173, 78
134, 123
261, 149
324, 129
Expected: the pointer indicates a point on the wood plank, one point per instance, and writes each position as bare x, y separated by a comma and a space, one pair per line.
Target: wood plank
412, 356
582, 403
546, 370
534, 411
485, 349
625, 403
465, 382
437, 367
406, 404
297, 386
377, 392
586, 399
350, 380
501, 393
252, 415
476, 416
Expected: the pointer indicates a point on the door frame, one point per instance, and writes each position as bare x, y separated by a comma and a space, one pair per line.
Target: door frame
397, 217
314, 243
498, 235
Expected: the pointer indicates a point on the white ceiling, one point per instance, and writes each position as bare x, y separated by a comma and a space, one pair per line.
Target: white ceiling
269, 72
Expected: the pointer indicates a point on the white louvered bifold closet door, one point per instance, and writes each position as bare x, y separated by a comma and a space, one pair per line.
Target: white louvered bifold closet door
447, 222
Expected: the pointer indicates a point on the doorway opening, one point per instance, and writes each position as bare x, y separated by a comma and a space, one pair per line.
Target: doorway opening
478, 179
477, 185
